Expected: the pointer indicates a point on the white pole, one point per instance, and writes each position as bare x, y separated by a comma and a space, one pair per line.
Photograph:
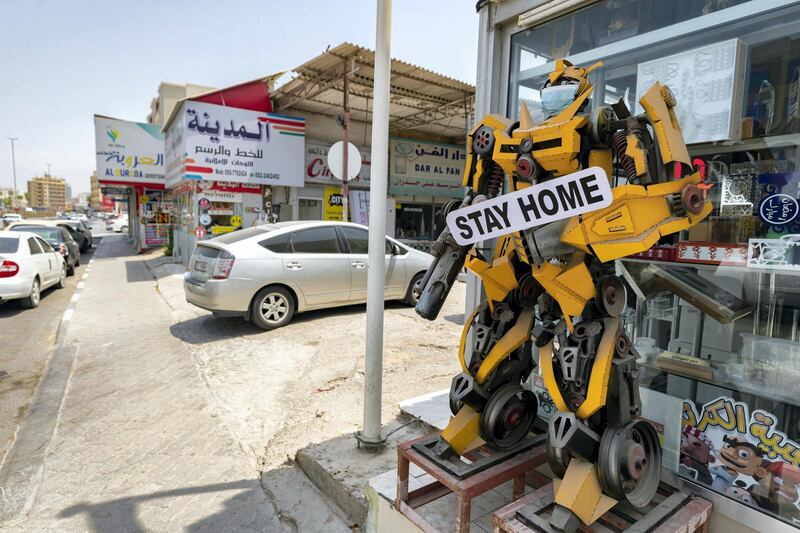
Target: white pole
373, 364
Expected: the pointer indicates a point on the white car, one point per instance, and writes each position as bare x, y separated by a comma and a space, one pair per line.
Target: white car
12, 217
120, 225
28, 265
268, 273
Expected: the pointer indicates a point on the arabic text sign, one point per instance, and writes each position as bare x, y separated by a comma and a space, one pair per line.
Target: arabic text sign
556, 199
707, 84
419, 167
128, 152
215, 142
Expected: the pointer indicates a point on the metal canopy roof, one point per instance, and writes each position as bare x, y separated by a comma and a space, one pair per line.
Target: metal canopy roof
422, 103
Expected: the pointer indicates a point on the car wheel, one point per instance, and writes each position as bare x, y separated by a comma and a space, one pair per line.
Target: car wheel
62, 278
70, 269
273, 307
33, 298
124, 229
414, 290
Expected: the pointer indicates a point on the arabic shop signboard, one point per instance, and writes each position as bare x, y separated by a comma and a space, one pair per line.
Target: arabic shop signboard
316, 166
742, 453
332, 203
424, 168
212, 142
128, 152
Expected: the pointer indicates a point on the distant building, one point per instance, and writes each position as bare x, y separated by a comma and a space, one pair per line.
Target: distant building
95, 196
7, 198
47, 192
168, 95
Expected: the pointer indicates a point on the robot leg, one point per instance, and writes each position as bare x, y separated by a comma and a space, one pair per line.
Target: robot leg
488, 400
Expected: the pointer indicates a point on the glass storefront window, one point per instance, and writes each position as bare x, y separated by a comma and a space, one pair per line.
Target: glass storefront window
715, 312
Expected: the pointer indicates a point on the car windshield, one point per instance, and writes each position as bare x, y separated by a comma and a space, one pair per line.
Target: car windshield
47, 233
8, 245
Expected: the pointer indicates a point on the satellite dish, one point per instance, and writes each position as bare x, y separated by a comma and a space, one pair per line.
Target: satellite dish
336, 160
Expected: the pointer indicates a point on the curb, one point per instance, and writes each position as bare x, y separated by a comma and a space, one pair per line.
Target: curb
22, 467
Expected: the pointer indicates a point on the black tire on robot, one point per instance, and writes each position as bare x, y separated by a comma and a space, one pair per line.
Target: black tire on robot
508, 416
629, 463
557, 458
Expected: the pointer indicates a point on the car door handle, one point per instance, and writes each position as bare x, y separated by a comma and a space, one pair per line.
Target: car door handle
294, 265
359, 264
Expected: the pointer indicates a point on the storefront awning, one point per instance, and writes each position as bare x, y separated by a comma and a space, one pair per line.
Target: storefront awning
421, 101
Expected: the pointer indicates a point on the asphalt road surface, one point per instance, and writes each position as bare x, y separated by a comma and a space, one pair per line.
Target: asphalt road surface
27, 338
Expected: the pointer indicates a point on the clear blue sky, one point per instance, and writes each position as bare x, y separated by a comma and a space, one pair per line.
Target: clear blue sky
61, 62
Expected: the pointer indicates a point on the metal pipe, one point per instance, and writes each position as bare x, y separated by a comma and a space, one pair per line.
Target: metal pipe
795, 320
697, 344
676, 317
373, 363
346, 139
757, 313
771, 305
14, 170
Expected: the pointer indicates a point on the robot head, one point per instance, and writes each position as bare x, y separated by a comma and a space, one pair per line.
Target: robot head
564, 85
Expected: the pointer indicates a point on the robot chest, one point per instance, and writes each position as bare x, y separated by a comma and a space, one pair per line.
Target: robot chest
556, 147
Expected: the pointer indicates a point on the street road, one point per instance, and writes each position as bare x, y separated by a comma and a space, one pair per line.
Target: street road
27, 338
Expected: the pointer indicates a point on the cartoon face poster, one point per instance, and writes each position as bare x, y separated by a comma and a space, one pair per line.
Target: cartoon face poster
739, 453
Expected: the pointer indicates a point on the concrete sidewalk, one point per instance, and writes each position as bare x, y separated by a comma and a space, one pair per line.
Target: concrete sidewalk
136, 444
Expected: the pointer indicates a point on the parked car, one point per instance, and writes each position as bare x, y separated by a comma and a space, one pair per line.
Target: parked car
28, 265
268, 273
59, 238
12, 217
118, 224
82, 236
81, 232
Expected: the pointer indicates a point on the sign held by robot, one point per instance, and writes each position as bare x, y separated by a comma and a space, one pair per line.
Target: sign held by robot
556, 199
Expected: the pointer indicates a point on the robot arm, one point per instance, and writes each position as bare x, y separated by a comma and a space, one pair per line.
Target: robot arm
483, 178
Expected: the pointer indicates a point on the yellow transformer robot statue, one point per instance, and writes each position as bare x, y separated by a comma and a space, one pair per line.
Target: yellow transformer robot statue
556, 286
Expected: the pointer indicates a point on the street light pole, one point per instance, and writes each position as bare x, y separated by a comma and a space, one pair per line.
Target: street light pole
373, 358
13, 169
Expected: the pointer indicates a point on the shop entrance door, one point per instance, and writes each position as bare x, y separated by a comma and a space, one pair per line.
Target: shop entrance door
310, 209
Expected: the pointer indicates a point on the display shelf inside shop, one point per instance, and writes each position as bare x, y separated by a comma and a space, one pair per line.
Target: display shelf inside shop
650, 369
718, 267
772, 142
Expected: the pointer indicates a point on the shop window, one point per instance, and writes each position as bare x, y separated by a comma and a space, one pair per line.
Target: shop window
320, 240
280, 244
715, 312
414, 222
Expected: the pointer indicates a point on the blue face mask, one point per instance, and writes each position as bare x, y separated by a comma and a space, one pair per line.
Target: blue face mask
556, 98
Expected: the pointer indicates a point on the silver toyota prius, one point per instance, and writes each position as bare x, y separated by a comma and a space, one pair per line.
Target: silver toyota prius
268, 273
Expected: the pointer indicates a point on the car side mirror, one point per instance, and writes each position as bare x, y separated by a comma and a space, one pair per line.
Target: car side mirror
396, 250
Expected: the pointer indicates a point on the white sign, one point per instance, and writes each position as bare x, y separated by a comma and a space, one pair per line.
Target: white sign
425, 168
580, 192
359, 207
336, 160
213, 142
317, 170
707, 84
128, 152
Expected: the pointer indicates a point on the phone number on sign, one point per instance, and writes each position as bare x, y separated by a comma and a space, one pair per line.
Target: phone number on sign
265, 175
